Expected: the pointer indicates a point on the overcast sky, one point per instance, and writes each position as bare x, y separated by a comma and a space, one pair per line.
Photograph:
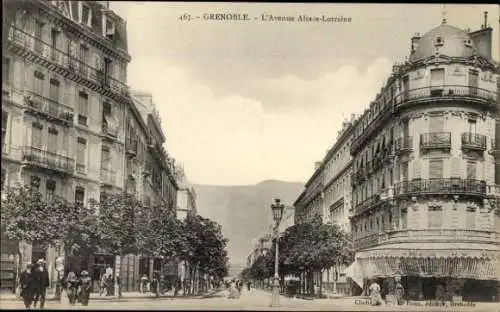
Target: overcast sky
243, 102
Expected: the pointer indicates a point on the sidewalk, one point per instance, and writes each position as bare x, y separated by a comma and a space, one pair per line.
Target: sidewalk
125, 296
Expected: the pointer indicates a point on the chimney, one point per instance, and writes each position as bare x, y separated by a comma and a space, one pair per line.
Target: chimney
483, 39
414, 43
317, 164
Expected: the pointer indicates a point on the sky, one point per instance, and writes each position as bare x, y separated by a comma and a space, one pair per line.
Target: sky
242, 102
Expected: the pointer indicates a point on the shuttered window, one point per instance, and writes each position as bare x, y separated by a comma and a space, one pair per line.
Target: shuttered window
52, 140
80, 155
36, 135
105, 158
437, 77
435, 169
471, 170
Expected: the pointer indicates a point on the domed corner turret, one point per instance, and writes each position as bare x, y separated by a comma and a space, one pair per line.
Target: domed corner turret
444, 40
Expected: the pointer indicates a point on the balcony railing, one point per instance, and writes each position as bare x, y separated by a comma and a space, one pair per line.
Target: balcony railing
435, 140
423, 235
452, 186
473, 141
48, 107
404, 145
447, 92
108, 176
49, 160
367, 204
45, 50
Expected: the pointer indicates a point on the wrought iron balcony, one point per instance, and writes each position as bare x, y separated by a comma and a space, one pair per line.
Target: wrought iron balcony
435, 140
404, 145
37, 157
367, 204
49, 108
108, 177
473, 141
393, 236
453, 186
447, 93
131, 147
47, 54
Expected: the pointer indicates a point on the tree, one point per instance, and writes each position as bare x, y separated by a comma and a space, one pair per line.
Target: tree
118, 232
25, 217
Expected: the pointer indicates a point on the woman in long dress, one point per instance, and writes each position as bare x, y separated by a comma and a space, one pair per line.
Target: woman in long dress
375, 296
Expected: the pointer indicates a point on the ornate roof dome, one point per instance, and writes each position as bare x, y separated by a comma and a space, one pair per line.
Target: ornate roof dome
446, 40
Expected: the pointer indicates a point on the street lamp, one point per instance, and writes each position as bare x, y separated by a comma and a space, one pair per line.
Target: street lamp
277, 209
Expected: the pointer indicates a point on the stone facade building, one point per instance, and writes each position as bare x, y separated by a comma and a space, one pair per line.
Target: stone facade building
424, 194
67, 117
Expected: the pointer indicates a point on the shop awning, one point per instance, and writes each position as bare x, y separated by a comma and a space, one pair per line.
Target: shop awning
355, 272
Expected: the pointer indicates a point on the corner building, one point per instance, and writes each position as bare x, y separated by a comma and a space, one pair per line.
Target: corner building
424, 190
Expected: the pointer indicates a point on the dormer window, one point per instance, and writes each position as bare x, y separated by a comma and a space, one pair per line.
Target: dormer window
110, 29
439, 41
86, 15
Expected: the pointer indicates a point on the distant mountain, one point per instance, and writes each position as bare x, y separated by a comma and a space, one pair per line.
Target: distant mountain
244, 211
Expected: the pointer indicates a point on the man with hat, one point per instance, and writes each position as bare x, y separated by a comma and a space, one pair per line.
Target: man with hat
27, 282
85, 286
41, 277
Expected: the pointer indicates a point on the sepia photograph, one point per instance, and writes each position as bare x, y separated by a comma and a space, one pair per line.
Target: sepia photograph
271, 156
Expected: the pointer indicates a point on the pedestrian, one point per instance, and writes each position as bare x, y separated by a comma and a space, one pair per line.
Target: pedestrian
376, 298
72, 283
178, 287
41, 283
440, 294
249, 284
144, 284
84, 288
400, 291
27, 281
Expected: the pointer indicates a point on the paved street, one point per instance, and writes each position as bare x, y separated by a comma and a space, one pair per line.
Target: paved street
253, 300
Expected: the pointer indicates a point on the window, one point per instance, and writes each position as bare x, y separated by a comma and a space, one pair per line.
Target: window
471, 170
435, 217
472, 126
54, 42
84, 58
404, 171
86, 15
39, 82
6, 70
435, 169
107, 69
105, 158
54, 96
4, 173
83, 108
470, 218
79, 195
36, 135
51, 190
81, 149
437, 77
38, 36
52, 141
5, 119
106, 109
110, 29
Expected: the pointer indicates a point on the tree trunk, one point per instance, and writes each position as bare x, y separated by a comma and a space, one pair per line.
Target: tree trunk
118, 265
321, 283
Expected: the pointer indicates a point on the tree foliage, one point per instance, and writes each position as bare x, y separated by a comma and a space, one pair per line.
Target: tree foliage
306, 247
119, 233
25, 217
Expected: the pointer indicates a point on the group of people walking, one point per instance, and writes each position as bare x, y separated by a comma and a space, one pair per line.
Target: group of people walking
34, 281
235, 288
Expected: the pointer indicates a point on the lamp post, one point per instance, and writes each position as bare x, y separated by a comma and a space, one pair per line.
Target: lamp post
277, 209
